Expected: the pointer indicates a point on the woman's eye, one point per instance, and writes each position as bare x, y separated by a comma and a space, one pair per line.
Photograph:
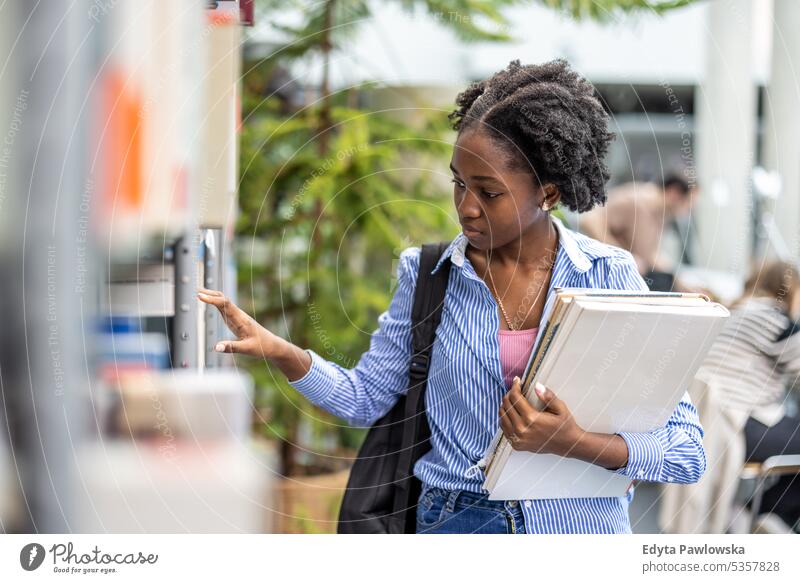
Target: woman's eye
485, 193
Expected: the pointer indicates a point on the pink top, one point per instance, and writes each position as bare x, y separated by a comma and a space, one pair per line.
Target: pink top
515, 350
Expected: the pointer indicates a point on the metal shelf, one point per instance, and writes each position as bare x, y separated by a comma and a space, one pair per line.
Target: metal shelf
166, 288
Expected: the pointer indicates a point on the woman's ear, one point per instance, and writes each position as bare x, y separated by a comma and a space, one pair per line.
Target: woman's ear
551, 196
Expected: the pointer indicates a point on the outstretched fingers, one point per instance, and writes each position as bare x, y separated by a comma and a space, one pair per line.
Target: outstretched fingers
230, 346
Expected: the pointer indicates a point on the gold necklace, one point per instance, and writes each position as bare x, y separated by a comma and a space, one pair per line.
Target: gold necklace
500, 303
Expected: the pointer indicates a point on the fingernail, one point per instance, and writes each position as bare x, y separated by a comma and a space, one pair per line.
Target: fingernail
516, 379
540, 389
220, 347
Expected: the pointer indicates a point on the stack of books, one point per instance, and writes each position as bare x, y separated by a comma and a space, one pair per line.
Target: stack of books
620, 361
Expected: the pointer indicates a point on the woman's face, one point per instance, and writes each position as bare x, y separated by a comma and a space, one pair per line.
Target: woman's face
495, 204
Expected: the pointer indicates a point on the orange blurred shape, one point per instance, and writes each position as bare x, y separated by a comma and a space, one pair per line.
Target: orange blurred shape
219, 18
122, 142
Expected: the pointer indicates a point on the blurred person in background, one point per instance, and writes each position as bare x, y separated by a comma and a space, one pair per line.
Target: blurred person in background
753, 361
635, 218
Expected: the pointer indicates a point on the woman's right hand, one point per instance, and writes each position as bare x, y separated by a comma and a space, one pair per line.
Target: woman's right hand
252, 338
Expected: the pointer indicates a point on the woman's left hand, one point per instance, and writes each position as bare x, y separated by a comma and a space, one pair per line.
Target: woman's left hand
552, 430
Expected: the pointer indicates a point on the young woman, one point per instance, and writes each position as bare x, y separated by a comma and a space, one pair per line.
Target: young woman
529, 137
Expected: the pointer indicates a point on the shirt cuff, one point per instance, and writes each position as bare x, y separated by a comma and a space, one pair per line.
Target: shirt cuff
319, 382
645, 456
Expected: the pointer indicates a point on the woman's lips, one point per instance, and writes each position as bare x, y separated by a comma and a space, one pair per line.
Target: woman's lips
470, 230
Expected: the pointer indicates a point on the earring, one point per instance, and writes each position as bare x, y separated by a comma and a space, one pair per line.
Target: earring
544, 207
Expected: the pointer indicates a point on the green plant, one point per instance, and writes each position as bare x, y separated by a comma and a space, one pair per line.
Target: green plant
320, 235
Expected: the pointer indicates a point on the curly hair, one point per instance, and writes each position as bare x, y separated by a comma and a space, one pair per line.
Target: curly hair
549, 122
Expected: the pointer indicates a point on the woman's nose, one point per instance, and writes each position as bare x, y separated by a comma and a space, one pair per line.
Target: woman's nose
469, 206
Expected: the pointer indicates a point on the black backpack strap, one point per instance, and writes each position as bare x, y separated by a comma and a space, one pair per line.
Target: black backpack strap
425, 318
427, 310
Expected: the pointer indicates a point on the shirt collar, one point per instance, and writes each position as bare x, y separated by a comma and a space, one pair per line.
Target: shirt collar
566, 240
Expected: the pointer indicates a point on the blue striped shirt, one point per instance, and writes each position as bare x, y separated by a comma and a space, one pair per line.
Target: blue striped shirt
466, 387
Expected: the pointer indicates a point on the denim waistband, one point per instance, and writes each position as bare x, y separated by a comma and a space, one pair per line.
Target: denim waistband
465, 498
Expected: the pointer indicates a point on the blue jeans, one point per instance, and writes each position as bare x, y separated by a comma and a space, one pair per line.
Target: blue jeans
443, 511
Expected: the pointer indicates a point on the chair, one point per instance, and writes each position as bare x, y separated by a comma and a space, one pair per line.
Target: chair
765, 475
